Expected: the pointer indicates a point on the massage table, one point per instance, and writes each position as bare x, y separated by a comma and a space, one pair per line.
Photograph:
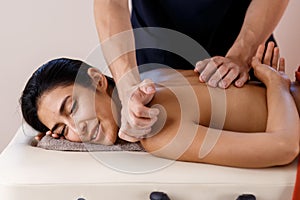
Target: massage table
32, 173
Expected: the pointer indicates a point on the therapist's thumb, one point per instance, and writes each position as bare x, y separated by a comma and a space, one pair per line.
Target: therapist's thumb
147, 86
145, 93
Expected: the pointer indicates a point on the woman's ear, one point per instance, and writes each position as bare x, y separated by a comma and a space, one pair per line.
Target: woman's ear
98, 79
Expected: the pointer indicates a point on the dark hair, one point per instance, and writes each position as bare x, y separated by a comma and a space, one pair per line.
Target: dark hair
57, 72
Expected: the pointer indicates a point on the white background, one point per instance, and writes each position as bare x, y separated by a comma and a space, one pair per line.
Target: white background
35, 31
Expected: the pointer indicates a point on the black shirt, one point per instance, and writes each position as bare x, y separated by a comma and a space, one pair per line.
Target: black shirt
214, 24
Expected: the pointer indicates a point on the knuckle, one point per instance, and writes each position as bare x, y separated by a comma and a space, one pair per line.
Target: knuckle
219, 73
212, 83
228, 79
135, 122
217, 58
139, 112
205, 60
214, 63
226, 66
145, 132
234, 71
199, 63
223, 70
137, 96
214, 77
204, 73
129, 121
245, 75
146, 83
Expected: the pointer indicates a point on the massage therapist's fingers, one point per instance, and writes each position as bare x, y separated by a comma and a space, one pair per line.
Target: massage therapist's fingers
243, 77
139, 110
126, 137
146, 90
269, 53
201, 65
217, 76
127, 132
136, 117
209, 69
135, 126
136, 105
141, 122
143, 93
229, 78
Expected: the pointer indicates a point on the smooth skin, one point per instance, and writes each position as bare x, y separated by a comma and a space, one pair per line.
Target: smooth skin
247, 142
113, 17
261, 128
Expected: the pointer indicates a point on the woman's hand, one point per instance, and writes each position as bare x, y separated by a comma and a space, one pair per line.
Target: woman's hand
40, 135
270, 68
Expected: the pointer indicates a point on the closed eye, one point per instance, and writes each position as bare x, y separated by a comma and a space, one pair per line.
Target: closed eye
63, 130
74, 107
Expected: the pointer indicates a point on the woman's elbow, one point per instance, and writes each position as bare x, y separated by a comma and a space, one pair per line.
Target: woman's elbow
287, 152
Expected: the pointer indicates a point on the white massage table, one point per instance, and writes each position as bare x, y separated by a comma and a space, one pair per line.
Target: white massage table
31, 173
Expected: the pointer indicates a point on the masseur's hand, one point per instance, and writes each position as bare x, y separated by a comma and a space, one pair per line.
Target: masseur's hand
222, 71
136, 117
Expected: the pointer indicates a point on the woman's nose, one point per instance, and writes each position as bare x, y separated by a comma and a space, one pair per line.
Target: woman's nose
82, 127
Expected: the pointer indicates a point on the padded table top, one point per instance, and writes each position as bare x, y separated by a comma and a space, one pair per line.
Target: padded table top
28, 172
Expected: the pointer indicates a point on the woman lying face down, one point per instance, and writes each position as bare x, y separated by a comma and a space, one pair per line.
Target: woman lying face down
260, 128
60, 97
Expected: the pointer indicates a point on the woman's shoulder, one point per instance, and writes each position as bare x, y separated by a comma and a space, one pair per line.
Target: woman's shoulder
170, 76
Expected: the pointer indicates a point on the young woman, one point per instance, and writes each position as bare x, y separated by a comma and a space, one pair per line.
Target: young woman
253, 126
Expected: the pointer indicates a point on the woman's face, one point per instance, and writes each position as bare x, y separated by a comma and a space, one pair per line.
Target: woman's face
80, 114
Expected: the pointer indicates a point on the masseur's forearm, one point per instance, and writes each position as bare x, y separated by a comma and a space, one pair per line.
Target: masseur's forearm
115, 33
260, 21
117, 41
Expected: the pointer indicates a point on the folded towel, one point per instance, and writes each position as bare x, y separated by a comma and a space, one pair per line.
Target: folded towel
50, 143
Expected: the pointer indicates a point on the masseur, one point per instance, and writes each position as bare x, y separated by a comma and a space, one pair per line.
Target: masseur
230, 31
